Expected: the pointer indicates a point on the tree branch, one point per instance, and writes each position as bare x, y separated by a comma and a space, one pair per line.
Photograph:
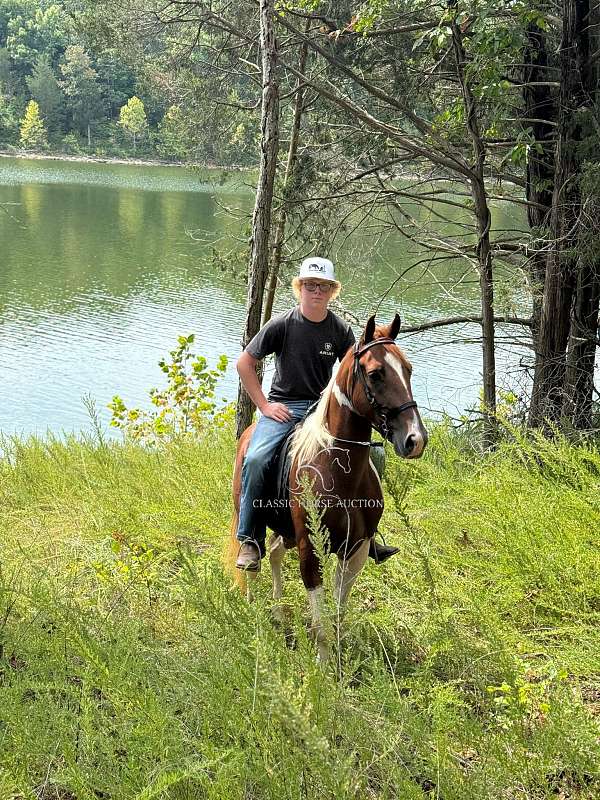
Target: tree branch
440, 323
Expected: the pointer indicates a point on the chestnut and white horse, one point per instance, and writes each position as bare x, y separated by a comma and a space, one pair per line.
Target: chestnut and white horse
371, 389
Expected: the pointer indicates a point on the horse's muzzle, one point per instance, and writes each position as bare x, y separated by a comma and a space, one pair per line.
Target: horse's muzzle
410, 440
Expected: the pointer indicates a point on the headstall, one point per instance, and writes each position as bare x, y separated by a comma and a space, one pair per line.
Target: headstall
358, 371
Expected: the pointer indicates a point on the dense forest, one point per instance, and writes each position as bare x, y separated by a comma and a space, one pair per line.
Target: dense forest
378, 117
65, 89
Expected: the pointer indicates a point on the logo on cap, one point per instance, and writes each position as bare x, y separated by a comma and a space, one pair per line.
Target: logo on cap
316, 267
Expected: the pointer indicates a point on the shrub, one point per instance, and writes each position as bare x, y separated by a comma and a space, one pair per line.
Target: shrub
184, 407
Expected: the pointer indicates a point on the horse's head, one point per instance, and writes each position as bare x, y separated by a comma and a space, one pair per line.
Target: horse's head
380, 388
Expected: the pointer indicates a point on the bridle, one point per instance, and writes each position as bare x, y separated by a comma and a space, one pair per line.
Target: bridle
358, 372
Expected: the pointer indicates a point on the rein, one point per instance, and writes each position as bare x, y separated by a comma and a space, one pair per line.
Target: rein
380, 410
352, 441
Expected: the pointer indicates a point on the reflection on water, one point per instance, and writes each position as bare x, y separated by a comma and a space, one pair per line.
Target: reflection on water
99, 276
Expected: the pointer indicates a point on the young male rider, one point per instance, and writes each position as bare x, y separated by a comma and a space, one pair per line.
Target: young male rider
306, 341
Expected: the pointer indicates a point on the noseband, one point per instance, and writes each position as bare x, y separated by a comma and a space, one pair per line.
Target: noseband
358, 372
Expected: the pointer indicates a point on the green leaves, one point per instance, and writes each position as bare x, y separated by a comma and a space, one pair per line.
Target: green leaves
519, 152
186, 406
132, 118
528, 699
436, 38
33, 130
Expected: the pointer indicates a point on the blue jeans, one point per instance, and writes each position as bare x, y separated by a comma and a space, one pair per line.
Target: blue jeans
267, 436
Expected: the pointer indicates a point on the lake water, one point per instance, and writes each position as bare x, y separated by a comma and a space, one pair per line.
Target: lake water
103, 266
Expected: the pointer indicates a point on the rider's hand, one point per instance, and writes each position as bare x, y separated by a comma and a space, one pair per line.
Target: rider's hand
277, 411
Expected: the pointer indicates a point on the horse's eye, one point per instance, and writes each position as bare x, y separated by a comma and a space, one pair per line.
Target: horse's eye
375, 375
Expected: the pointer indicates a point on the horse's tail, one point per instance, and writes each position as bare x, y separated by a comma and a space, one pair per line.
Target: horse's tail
230, 553
232, 546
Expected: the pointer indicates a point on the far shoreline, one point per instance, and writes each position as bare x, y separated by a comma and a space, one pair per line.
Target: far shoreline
136, 162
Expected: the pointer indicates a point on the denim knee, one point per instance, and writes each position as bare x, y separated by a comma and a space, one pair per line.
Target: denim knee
254, 465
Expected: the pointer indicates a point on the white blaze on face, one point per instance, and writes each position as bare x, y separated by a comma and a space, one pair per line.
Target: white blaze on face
341, 397
412, 424
398, 367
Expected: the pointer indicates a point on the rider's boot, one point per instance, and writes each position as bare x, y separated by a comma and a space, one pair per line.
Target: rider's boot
381, 552
248, 557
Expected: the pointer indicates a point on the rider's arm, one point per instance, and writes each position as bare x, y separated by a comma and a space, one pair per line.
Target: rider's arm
246, 367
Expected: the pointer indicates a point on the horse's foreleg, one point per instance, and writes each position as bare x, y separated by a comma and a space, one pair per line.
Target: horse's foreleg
276, 556
346, 572
250, 577
310, 569
315, 601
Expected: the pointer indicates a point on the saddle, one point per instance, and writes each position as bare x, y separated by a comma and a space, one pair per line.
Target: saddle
275, 507
282, 465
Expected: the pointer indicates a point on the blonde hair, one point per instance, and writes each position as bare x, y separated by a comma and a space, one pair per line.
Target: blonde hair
297, 283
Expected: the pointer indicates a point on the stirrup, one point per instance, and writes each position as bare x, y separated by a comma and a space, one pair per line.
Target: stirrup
260, 556
381, 552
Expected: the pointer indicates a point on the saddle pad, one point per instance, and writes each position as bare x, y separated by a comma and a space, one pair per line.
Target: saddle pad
378, 457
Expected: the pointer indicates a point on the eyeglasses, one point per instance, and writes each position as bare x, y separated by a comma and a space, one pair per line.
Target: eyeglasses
310, 286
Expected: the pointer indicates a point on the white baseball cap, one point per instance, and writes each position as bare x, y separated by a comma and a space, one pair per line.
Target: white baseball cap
316, 267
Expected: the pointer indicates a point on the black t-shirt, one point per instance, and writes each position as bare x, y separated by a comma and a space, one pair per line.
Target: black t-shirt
305, 353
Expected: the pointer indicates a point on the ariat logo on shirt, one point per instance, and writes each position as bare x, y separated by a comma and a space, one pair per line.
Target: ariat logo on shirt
327, 350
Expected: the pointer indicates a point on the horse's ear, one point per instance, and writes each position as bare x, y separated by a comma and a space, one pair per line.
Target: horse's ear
368, 331
395, 326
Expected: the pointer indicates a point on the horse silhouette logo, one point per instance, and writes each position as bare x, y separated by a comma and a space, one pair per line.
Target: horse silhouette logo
335, 455
316, 267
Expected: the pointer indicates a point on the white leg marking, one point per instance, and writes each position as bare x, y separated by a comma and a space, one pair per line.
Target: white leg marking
398, 366
315, 601
346, 573
250, 578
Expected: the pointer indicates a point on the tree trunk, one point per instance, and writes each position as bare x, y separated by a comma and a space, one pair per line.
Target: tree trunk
548, 394
581, 358
89, 134
539, 112
581, 353
261, 218
484, 250
289, 172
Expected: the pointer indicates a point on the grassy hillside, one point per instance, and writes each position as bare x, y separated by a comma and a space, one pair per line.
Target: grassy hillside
129, 668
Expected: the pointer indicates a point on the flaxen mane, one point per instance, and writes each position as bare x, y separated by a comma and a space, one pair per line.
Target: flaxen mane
313, 436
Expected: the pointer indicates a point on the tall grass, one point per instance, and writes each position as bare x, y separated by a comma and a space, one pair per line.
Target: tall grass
130, 668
